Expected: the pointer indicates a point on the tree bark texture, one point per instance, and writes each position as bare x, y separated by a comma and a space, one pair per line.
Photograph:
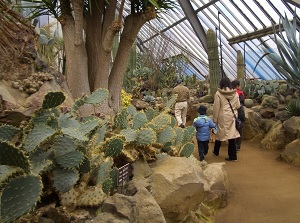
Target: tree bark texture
132, 26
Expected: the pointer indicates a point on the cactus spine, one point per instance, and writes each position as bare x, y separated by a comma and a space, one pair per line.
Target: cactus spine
213, 60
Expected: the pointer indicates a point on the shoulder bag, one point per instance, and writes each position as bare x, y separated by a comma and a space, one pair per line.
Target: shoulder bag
238, 122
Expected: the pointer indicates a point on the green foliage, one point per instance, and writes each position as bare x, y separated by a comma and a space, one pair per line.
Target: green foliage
187, 150
19, 196
54, 142
287, 60
7, 132
53, 99
293, 108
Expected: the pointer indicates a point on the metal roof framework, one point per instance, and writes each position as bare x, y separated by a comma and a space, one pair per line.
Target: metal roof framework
239, 25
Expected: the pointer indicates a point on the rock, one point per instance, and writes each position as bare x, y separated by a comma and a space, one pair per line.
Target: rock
267, 113
275, 138
174, 180
291, 153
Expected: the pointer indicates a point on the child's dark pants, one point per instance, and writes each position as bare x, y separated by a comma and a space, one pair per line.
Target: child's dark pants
202, 149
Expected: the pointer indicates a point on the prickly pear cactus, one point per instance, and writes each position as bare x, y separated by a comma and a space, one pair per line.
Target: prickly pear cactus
113, 146
19, 196
213, 60
7, 132
187, 150
37, 136
53, 99
139, 120
121, 119
145, 137
12, 156
167, 135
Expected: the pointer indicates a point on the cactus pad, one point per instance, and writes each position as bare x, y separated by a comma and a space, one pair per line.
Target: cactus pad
88, 126
121, 119
130, 134
91, 196
7, 132
179, 136
64, 179
103, 172
70, 160
8, 171
66, 121
62, 145
160, 122
167, 135
171, 102
53, 99
10, 155
187, 150
150, 113
99, 135
113, 147
97, 97
74, 133
131, 110
139, 120
188, 134
19, 196
145, 137
37, 136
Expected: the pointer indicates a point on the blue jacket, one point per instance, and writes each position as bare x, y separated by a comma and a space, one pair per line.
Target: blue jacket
203, 124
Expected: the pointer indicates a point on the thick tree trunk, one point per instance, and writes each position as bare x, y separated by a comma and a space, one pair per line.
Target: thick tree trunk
132, 26
93, 40
109, 29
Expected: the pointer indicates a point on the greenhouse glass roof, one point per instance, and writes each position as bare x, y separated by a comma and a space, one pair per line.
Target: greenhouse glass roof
239, 25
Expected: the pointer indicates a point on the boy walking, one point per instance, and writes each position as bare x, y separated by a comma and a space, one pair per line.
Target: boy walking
203, 124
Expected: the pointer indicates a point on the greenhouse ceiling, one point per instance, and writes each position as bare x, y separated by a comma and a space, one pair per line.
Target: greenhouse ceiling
239, 25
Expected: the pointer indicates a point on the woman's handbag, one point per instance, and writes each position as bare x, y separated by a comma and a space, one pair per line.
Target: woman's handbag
238, 122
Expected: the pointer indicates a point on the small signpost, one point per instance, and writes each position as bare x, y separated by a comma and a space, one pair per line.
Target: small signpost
123, 174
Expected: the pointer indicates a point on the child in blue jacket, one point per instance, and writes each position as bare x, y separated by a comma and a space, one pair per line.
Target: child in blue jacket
203, 124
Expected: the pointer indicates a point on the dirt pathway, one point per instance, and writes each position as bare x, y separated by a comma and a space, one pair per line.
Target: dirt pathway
261, 188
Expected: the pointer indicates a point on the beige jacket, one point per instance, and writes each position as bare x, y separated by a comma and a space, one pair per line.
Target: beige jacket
183, 93
222, 114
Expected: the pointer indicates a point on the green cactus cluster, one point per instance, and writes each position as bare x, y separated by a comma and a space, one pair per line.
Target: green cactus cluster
77, 154
52, 143
151, 132
257, 88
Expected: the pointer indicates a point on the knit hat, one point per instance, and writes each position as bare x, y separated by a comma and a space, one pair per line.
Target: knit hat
202, 110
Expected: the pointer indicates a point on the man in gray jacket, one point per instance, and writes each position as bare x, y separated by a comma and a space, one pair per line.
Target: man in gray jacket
183, 95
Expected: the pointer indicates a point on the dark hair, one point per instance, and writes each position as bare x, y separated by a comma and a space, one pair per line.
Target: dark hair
225, 82
235, 83
202, 110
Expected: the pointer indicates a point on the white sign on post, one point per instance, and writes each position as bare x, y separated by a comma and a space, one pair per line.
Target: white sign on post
123, 174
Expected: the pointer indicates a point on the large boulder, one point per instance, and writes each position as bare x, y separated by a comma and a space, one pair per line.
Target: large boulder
275, 138
175, 183
291, 153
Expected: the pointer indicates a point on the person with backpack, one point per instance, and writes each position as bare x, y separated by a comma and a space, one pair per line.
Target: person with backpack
241, 112
203, 124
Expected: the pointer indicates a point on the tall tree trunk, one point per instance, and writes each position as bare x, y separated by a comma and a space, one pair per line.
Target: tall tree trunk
93, 41
109, 29
132, 26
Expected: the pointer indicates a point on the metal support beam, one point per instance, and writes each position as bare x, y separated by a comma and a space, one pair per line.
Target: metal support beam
257, 34
294, 2
194, 21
